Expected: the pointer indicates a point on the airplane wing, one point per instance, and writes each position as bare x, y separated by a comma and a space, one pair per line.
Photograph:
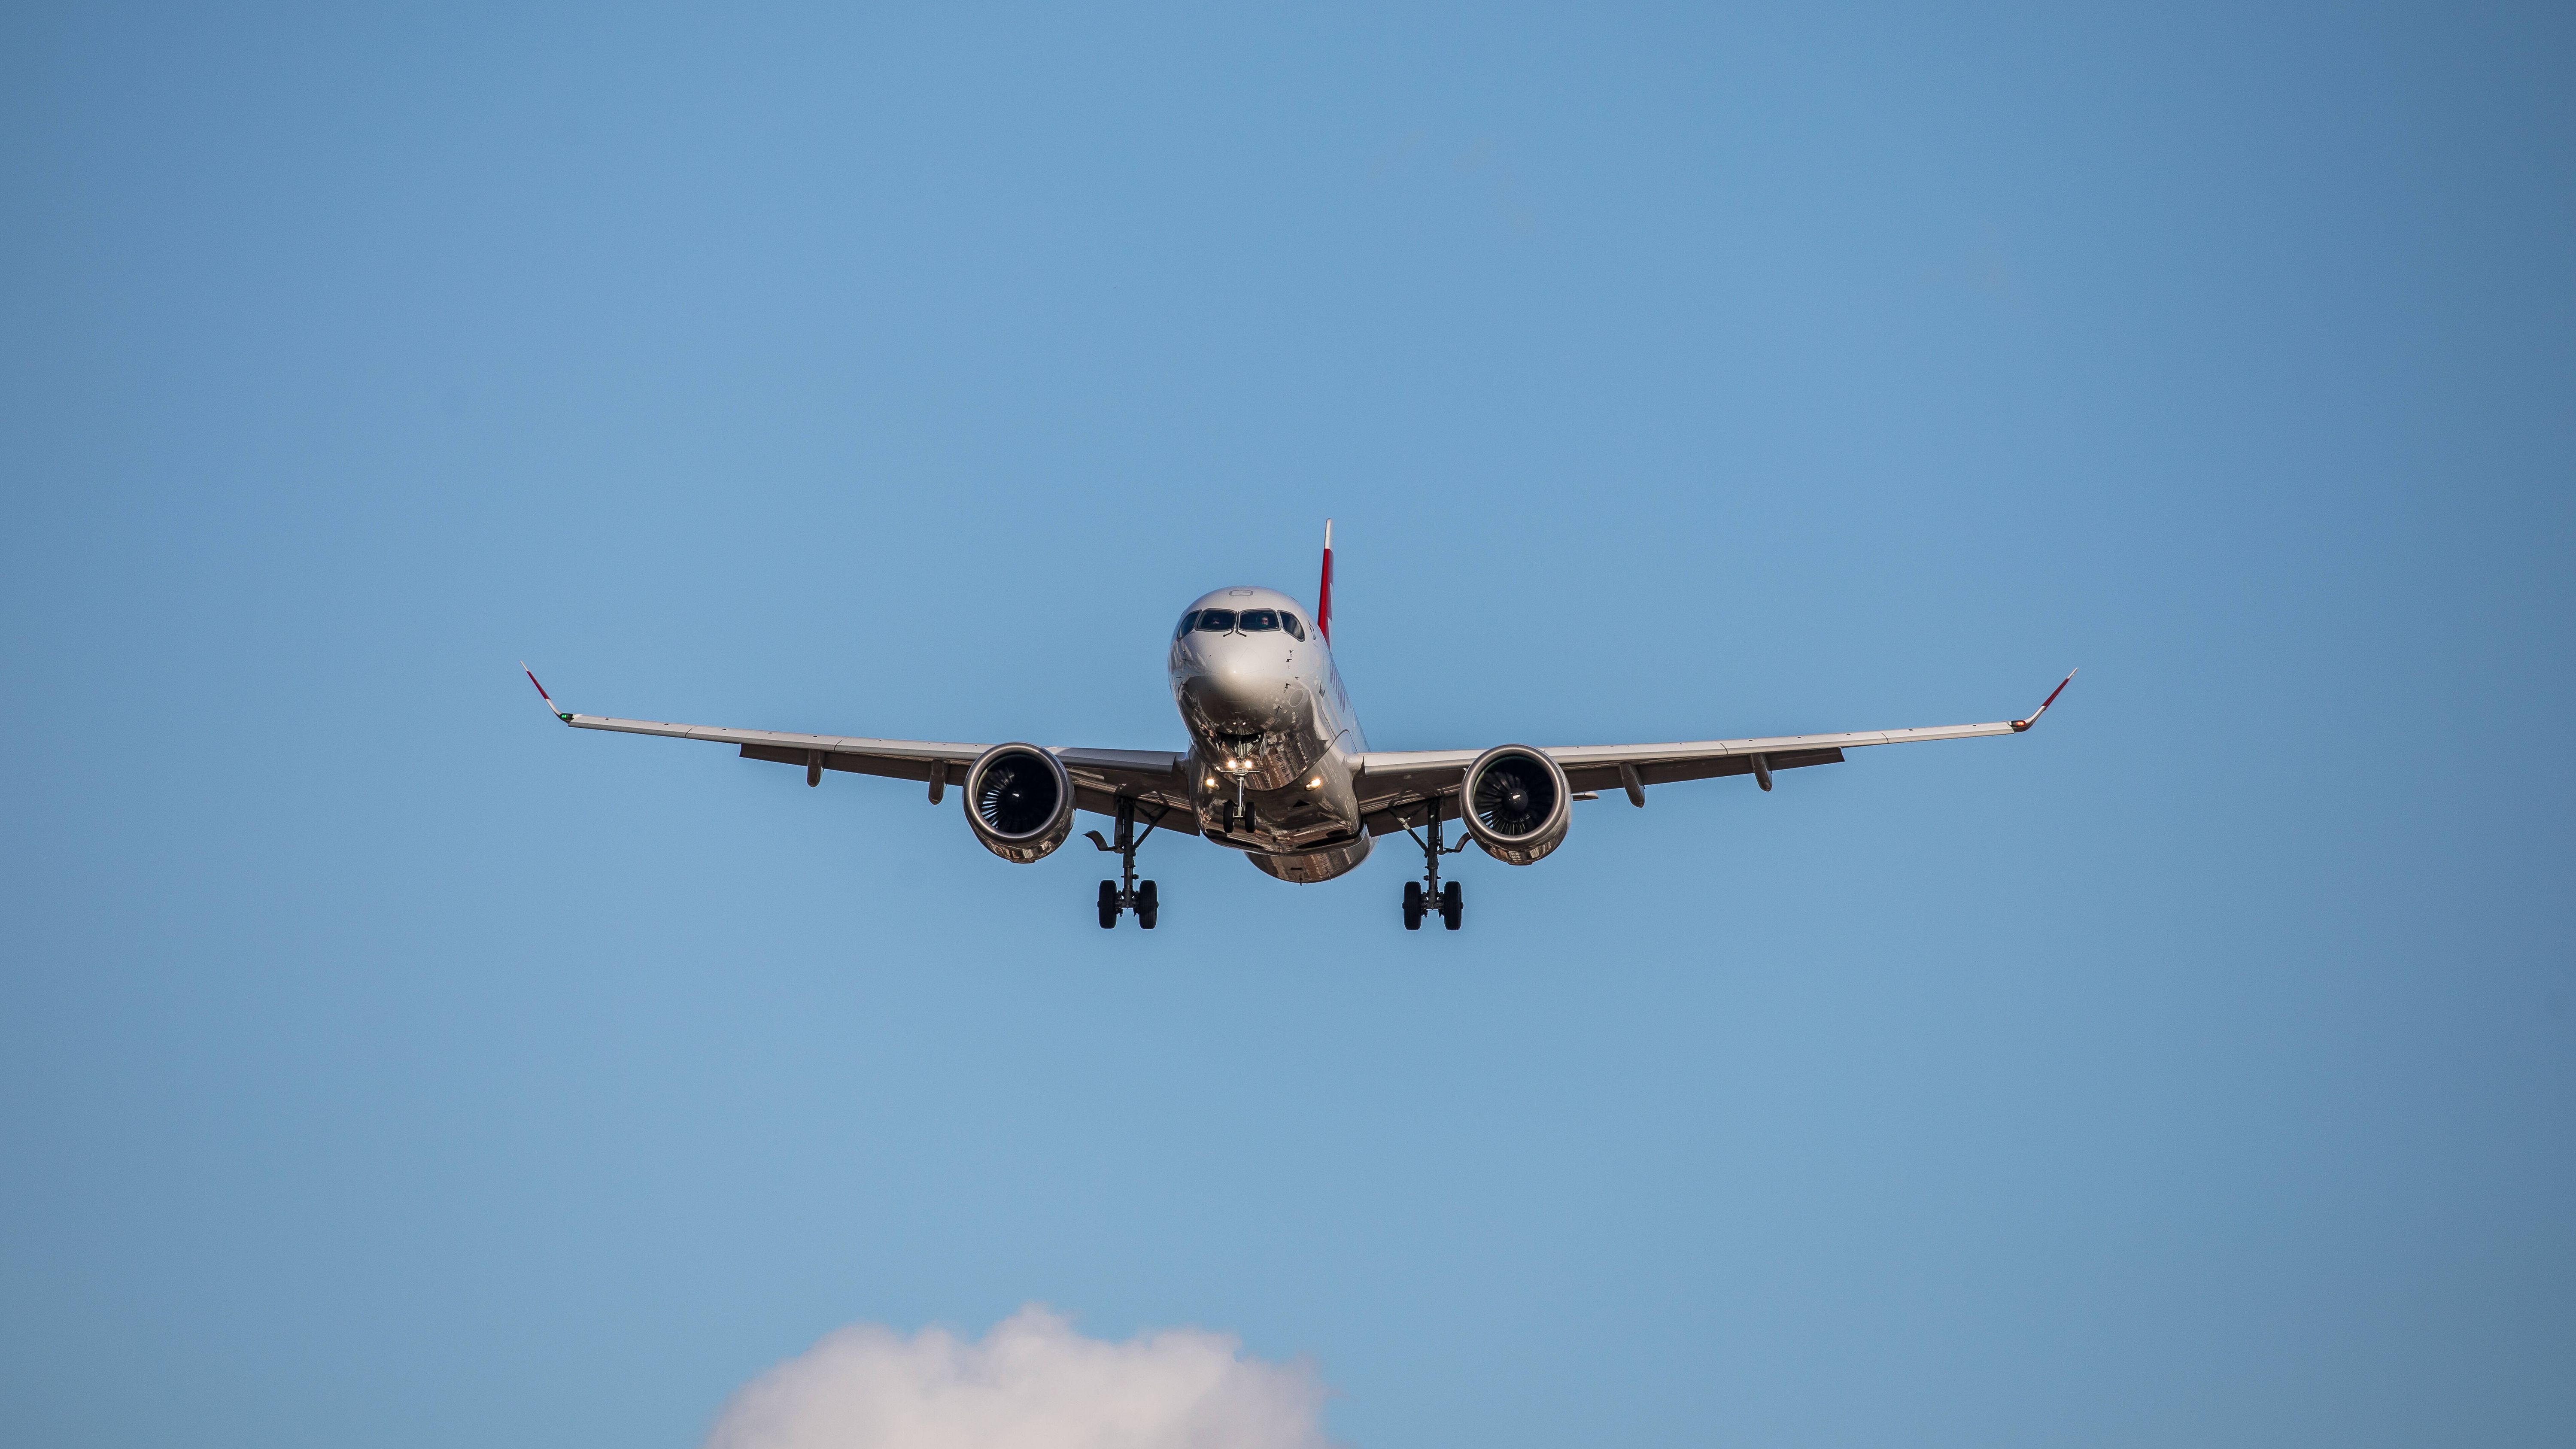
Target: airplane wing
1153, 778
1397, 787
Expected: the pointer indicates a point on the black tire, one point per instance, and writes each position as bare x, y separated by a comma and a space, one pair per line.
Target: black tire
1413, 905
1148, 903
1108, 905
1453, 905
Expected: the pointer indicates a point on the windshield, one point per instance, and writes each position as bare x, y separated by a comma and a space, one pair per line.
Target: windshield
1256, 621
1215, 621
1189, 621
1289, 622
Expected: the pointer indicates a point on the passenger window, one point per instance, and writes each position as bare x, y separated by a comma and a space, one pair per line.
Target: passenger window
1257, 621
1289, 622
1189, 621
1215, 621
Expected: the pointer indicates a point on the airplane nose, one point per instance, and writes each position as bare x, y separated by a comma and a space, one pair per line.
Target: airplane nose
1231, 686
1233, 694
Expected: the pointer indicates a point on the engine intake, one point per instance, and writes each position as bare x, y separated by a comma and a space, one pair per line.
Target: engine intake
1019, 801
1516, 804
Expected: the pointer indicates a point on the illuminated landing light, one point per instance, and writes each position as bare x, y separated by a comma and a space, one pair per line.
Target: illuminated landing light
1316, 783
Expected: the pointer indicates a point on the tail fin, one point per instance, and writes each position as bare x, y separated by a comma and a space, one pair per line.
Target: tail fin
1324, 590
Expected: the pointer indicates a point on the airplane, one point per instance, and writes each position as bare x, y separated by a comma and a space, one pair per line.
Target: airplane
1278, 768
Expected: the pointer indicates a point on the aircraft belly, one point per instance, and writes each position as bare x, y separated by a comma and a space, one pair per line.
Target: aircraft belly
1308, 867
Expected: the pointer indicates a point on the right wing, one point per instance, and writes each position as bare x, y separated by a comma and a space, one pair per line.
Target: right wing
1156, 779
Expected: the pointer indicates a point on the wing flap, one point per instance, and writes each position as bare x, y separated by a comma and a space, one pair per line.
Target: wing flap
889, 767
1606, 778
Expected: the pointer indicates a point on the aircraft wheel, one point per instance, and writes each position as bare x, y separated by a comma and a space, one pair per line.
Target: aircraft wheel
1108, 904
1413, 905
1453, 905
1147, 903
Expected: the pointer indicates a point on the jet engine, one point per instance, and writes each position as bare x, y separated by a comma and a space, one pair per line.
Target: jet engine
1516, 803
1019, 801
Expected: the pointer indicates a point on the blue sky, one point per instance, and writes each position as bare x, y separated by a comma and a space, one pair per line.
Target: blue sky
383, 1064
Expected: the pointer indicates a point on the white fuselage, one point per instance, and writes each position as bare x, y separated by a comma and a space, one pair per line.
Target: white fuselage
1274, 744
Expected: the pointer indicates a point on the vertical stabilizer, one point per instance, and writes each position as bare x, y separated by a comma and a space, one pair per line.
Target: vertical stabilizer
1324, 590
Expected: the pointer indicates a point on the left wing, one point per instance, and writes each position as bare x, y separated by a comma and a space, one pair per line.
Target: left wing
1396, 787
1157, 779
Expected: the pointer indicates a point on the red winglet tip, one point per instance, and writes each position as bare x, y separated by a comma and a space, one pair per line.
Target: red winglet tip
2022, 724
551, 707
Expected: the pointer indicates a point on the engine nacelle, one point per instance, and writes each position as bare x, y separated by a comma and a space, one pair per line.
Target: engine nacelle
1019, 801
1516, 804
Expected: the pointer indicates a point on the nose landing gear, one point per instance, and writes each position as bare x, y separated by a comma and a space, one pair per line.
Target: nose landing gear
1428, 894
1127, 893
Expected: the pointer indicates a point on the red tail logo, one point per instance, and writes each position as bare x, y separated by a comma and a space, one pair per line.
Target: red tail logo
1324, 590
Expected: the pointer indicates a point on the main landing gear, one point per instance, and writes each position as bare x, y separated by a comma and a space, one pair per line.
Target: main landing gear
1421, 897
1127, 893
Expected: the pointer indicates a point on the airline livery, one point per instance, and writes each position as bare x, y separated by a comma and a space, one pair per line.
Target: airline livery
1277, 766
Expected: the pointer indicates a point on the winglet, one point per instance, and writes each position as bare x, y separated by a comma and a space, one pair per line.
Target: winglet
2022, 724
1324, 590
550, 699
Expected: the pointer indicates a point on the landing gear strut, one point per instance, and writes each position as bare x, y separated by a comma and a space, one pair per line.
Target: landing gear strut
1428, 894
1127, 893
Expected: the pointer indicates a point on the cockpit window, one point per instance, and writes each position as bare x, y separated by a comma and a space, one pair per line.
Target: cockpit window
1257, 621
1215, 621
1189, 621
1289, 622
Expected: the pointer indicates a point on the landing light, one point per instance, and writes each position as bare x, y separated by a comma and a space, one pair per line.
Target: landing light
1316, 783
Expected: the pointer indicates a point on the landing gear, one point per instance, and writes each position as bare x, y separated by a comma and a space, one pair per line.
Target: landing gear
1127, 893
1428, 894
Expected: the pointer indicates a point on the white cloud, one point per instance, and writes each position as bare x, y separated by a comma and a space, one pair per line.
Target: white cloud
1033, 1383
